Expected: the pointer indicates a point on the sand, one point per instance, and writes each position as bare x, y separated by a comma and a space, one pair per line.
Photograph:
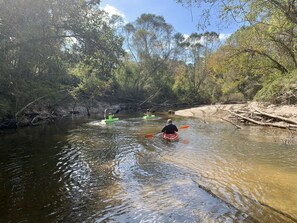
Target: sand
219, 111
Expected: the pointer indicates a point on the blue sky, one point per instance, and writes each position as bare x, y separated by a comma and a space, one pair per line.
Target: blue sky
182, 19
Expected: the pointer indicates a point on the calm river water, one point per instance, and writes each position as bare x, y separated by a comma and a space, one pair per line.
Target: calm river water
82, 171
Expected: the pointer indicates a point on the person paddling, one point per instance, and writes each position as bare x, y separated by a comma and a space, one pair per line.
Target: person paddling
148, 112
170, 128
105, 113
110, 114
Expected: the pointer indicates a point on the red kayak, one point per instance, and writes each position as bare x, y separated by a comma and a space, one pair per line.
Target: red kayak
170, 137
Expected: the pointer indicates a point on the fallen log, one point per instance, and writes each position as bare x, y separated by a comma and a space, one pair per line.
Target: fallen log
277, 117
289, 126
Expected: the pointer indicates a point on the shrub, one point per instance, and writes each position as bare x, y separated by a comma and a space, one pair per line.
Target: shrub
279, 89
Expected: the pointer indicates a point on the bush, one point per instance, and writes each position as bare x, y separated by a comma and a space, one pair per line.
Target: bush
279, 89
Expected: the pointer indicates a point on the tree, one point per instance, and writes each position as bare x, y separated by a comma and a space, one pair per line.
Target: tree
251, 11
248, 59
42, 43
196, 50
150, 47
262, 50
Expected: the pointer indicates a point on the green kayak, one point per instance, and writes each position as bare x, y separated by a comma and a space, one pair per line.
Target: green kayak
109, 120
149, 116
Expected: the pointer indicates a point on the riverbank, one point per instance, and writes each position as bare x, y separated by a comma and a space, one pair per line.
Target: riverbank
278, 122
42, 113
223, 111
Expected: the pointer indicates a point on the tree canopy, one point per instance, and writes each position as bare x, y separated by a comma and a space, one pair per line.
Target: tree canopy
46, 46
50, 46
262, 51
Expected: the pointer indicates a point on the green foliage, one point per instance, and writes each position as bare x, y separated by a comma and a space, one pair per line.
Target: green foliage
279, 89
251, 11
91, 81
47, 46
248, 58
5, 105
192, 81
147, 68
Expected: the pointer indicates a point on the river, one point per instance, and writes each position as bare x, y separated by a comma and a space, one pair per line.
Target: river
79, 170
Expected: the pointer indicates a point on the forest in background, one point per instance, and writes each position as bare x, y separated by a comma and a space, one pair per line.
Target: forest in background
72, 50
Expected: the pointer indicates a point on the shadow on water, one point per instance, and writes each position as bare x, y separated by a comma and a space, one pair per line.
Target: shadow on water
82, 171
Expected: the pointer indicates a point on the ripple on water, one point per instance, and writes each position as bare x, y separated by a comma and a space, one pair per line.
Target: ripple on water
94, 173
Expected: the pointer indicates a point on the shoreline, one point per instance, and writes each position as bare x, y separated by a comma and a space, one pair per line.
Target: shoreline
278, 122
218, 111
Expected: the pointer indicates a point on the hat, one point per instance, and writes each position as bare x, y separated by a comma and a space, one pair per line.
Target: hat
169, 121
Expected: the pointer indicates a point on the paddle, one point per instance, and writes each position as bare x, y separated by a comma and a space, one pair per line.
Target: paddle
151, 135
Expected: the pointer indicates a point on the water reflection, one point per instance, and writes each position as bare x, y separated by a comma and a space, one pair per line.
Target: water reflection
82, 171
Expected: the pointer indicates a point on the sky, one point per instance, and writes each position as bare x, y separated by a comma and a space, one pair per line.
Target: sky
184, 20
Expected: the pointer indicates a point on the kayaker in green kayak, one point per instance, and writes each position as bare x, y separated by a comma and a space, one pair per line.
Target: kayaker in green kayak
149, 114
108, 115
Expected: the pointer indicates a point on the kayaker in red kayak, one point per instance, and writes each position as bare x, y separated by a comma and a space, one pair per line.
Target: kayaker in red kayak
170, 128
170, 131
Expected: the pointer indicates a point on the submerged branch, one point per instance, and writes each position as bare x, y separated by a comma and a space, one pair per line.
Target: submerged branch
237, 126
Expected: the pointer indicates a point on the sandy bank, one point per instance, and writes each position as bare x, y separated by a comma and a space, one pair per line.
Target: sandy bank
217, 112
